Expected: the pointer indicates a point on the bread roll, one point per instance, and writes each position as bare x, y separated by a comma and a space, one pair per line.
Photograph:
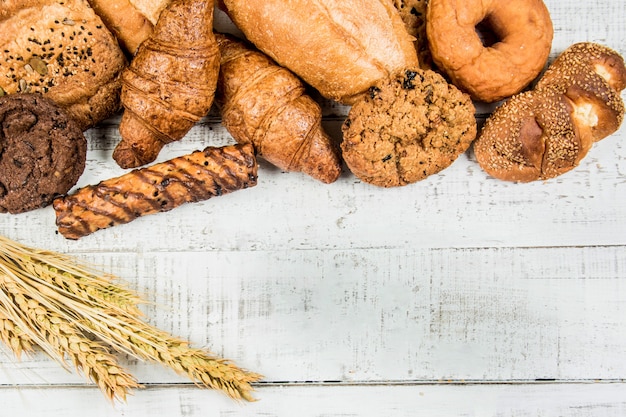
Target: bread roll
62, 50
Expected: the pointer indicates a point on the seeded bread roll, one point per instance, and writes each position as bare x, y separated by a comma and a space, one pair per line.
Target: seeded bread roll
547, 131
413, 14
61, 49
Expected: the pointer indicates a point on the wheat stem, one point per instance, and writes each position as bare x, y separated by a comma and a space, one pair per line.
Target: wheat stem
56, 302
62, 339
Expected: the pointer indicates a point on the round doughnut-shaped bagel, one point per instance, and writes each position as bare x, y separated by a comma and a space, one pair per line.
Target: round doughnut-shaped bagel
523, 35
42, 152
407, 128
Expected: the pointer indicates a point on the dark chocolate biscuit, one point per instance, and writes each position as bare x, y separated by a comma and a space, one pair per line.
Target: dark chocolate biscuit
412, 126
42, 152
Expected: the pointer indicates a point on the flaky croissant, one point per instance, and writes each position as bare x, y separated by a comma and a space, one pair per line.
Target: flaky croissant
170, 84
264, 104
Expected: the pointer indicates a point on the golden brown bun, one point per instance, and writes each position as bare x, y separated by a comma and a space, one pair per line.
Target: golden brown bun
341, 48
524, 32
63, 50
546, 132
131, 21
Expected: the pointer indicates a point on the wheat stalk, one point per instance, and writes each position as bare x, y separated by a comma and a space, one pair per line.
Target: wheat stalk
57, 303
12, 336
149, 343
61, 339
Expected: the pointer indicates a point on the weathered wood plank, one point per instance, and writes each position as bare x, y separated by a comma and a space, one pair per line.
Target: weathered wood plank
380, 314
461, 207
507, 400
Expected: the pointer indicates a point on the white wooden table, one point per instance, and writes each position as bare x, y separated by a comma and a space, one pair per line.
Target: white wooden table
460, 295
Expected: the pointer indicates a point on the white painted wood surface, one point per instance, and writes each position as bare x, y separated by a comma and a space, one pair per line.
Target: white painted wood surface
457, 296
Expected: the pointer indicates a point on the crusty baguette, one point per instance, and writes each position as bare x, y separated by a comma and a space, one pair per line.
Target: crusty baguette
159, 188
341, 48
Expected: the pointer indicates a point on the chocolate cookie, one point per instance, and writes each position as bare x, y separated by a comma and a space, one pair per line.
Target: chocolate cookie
410, 127
42, 152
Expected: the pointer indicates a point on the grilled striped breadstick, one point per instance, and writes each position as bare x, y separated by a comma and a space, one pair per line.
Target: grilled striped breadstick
161, 187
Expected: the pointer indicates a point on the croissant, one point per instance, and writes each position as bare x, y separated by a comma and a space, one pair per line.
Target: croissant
170, 84
195, 177
264, 104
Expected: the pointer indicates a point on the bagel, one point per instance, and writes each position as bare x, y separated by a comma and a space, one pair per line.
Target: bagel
489, 71
545, 132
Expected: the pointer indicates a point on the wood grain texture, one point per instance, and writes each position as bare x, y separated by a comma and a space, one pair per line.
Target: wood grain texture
358, 301
505, 400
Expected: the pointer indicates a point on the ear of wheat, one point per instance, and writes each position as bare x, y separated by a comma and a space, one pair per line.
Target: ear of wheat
77, 314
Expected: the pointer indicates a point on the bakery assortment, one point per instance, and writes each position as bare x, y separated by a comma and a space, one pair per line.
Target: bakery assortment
61, 49
407, 129
546, 132
409, 70
201, 175
513, 51
170, 83
266, 105
42, 152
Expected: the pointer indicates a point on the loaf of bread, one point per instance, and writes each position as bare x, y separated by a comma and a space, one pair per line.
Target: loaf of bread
63, 50
341, 48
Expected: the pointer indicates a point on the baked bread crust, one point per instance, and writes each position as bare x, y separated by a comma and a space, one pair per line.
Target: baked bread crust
545, 132
343, 47
62, 50
265, 104
407, 129
131, 21
413, 14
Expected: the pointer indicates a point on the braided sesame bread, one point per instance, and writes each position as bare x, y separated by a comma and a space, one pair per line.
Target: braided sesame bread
547, 131
61, 49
